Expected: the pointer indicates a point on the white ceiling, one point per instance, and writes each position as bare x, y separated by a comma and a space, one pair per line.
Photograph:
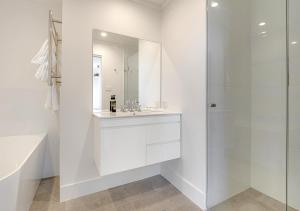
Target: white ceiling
153, 3
118, 39
157, 2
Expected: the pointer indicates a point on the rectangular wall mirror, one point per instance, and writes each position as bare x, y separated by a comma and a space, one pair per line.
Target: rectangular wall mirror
127, 67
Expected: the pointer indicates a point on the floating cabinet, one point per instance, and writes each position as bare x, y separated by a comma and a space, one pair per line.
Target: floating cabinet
122, 144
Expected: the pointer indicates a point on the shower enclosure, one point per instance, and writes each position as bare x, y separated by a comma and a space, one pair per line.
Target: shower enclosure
254, 105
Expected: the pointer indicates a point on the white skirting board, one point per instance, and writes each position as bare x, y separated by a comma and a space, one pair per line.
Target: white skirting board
184, 186
82, 188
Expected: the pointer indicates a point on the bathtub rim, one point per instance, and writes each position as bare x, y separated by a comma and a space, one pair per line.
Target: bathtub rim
42, 136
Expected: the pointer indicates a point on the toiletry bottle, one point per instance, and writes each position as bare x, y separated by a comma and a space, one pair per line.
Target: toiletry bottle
113, 104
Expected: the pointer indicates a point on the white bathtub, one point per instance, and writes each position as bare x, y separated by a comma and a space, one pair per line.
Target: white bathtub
21, 164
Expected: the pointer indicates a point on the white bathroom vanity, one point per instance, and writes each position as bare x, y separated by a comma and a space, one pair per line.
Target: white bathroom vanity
127, 140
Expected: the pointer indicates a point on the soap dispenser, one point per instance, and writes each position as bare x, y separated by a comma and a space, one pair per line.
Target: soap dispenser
113, 104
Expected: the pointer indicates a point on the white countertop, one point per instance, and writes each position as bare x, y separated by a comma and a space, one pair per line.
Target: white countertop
120, 114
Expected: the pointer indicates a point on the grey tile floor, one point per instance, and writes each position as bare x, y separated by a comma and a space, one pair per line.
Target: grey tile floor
251, 200
152, 194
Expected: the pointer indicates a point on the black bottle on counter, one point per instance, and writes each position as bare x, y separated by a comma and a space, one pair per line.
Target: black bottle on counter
113, 104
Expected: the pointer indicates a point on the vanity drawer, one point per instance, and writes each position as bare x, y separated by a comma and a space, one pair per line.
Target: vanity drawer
157, 153
161, 133
122, 149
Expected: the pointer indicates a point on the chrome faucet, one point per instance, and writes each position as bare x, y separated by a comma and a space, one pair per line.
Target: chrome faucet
131, 106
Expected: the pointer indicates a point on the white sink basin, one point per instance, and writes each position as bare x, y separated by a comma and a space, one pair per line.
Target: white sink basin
119, 114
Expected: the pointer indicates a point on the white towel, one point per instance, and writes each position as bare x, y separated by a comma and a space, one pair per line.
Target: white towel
42, 73
48, 103
52, 98
41, 59
42, 54
55, 104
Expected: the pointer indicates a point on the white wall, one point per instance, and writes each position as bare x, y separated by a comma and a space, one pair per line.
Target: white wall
112, 72
24, 28
184, 88
78, 172
149, 73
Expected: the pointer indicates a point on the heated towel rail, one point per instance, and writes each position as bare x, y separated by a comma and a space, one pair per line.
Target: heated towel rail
53, 40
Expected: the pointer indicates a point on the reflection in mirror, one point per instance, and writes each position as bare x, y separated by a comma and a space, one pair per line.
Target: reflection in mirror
127, 68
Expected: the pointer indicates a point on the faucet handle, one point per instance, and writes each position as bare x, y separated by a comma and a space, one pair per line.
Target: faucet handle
123, 108
139, 108
130, 106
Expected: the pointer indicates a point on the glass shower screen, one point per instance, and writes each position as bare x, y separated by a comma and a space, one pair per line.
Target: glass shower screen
293, 176
247, 105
